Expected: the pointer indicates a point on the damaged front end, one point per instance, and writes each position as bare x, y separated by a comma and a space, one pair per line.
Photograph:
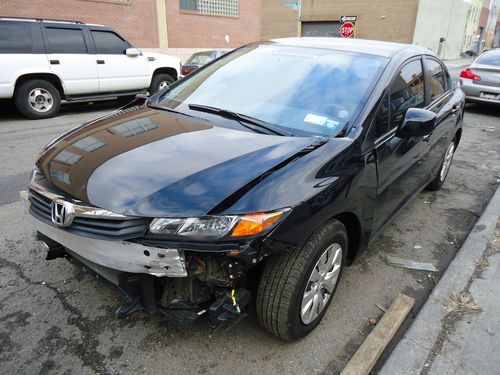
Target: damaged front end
177, 278
212, 283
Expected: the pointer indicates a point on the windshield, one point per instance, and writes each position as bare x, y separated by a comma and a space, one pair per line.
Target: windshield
307, 91
491, 58
200, 58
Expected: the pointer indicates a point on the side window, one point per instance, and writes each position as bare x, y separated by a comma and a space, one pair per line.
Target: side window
15, 37
108, 43
62, 40
407, 91
438, 81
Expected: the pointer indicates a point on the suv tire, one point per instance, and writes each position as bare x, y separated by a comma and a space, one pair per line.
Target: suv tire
37, 99
284, 304
160, 81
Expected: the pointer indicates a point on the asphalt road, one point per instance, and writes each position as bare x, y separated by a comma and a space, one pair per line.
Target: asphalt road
55, 318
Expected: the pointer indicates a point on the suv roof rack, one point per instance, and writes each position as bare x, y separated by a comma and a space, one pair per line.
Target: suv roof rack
42, 19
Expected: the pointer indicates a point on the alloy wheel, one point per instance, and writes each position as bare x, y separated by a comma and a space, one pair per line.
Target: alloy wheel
447, 162
40, 100
321, 283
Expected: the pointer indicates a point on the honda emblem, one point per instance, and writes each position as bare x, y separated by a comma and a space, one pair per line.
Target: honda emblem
62, 213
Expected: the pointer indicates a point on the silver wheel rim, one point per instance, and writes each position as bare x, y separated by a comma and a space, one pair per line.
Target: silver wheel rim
163, 84
40, 100
447, 161
321, 283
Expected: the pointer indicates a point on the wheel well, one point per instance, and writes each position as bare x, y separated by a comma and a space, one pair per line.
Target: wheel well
458, 135
353, 227
170, 71
52, 78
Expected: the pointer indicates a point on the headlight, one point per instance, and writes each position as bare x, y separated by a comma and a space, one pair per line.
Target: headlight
215, 227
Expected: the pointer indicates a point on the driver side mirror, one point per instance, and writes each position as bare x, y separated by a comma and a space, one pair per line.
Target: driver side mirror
132, 52
417, 123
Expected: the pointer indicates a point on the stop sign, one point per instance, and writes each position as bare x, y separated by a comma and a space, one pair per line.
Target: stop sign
347, 30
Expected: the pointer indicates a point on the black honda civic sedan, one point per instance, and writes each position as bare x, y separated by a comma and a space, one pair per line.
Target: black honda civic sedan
258, 177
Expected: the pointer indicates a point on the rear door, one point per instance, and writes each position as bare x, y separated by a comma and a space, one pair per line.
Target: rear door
439, 96
69, 58
399, 160
117, 71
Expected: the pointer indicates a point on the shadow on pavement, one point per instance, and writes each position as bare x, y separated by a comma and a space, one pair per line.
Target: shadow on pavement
8, 110
483, 109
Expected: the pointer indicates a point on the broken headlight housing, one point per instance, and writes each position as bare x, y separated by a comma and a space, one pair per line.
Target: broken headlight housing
216, 227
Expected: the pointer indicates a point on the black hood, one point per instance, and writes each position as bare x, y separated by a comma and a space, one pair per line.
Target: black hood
147, 162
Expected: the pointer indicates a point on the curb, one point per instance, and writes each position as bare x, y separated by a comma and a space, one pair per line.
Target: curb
410, 354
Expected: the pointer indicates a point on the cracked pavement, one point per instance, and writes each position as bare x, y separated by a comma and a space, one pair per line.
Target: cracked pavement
56, 318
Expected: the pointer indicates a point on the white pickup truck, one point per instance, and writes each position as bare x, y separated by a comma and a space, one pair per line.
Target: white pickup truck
46, 62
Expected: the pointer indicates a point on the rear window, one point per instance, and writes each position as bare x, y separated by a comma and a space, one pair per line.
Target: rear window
201, 58
15, 37
490, 59
64, 40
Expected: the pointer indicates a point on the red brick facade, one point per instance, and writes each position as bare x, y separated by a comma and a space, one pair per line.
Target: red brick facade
137, 20
191, 30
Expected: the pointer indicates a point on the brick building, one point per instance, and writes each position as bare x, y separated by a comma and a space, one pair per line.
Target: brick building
173, 26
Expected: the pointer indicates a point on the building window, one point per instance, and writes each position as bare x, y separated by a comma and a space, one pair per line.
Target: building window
229, 8
130, 128
89, 144
67, 157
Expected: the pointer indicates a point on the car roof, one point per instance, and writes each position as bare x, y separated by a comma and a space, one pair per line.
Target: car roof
46, 20
372, 47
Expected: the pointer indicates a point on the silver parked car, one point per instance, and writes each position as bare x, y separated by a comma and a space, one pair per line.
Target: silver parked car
481, 81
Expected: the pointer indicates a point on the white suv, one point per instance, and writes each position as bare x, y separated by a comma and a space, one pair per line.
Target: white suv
46, 62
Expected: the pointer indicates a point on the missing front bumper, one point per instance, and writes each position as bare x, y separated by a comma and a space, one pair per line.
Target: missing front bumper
119, 255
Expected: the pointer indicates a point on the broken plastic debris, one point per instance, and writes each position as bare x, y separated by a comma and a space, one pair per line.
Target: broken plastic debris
417, 247
409, 263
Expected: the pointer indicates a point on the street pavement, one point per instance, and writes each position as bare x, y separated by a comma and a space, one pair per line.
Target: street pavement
456, 332
56, 318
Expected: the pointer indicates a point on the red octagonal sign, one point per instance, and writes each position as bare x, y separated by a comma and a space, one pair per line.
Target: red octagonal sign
347, 30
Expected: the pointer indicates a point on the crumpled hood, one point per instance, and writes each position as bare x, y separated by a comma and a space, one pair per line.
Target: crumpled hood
147, 162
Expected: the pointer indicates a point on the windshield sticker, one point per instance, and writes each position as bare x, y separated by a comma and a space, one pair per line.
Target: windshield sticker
315, 119
331, 124
343, 114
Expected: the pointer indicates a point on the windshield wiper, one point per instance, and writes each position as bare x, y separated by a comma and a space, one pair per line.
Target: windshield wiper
166, 109
240, 118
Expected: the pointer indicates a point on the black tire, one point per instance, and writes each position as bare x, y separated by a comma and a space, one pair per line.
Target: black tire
438, 181
157, 81
22, 99
284, 280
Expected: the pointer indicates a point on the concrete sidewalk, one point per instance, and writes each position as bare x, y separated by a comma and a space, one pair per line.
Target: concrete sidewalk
458, 63
458, 329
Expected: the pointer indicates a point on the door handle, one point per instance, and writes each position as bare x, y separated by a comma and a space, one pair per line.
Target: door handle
455, 108
101, 62
54, 62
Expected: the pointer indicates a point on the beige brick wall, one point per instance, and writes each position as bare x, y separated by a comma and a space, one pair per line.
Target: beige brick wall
390, 20
137, 21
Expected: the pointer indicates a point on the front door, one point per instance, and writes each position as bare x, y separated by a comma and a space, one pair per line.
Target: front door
117, 71
399, 160
440, 96
69, 58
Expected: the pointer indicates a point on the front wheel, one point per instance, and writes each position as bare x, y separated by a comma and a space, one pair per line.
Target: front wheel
296, 288
160, 81
444, 168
